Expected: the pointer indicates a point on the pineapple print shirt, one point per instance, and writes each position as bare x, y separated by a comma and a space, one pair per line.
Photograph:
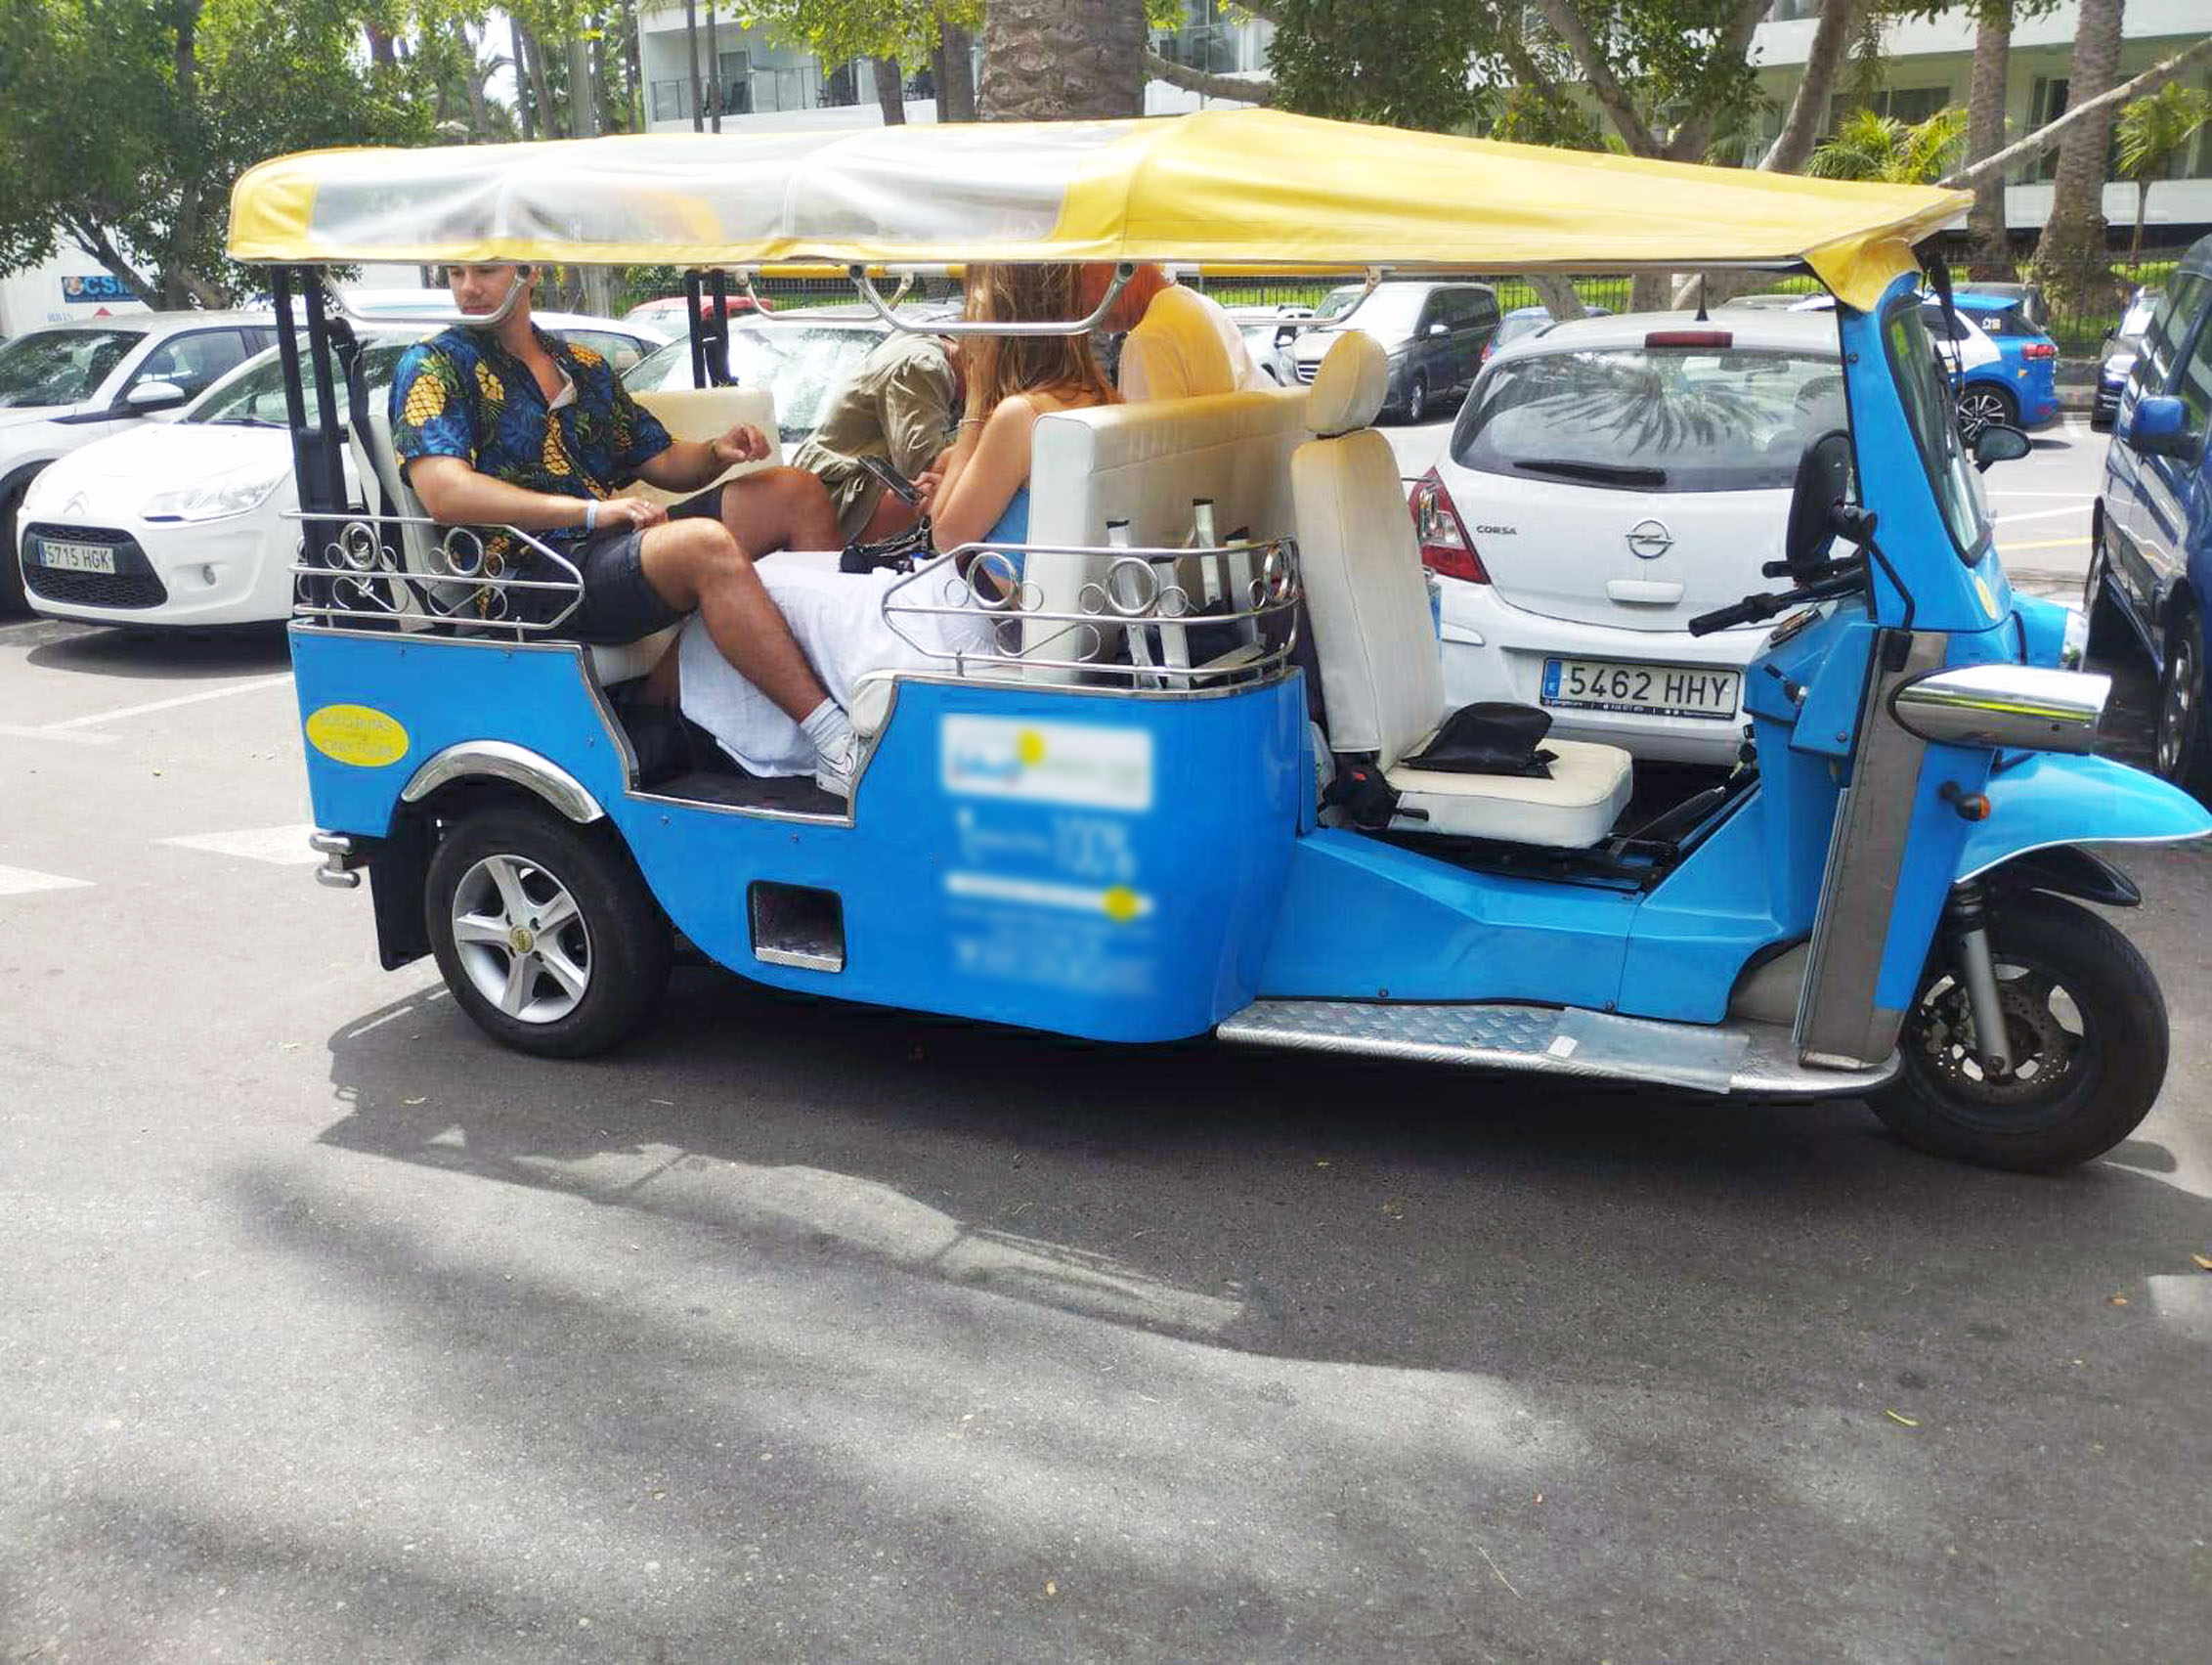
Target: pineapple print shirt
462, 394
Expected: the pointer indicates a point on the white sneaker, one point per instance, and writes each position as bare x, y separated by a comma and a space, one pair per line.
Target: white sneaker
834, 768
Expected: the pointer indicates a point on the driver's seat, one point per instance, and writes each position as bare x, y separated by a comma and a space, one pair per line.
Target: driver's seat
1382, 680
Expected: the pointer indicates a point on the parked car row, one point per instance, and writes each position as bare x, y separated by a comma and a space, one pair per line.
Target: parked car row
2149, 582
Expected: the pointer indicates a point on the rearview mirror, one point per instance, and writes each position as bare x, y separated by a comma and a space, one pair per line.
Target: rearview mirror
151, 395
1824, 481
1998, 442
2159, 427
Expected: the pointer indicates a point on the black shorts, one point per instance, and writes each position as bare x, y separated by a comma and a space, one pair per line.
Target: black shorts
619, 605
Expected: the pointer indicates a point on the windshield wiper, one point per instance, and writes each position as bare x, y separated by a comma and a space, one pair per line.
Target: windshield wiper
1607, 474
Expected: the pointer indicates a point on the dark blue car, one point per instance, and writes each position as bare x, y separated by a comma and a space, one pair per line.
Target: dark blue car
2150, 563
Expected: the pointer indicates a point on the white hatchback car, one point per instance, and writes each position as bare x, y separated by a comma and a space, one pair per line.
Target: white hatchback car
1605, 483
183, 522
63, 388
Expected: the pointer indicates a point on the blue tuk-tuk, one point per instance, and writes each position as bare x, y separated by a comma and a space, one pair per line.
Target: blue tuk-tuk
1125, 816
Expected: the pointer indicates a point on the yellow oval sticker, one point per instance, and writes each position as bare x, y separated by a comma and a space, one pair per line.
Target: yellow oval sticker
1988, 596
357, 735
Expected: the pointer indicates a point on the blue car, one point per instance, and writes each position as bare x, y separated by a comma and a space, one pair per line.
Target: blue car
2151, 565
2020, 386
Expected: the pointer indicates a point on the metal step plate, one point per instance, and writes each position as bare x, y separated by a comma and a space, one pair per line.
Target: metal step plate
1757, 1058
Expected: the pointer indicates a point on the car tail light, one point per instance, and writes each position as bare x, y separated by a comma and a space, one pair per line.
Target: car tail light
1446, 548
1690, 338
2040, 350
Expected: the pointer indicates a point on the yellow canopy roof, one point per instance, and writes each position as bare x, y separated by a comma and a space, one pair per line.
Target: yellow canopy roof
1229, 186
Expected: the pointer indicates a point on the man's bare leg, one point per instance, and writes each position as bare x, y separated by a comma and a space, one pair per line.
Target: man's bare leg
780, 509
696, 566
891, 514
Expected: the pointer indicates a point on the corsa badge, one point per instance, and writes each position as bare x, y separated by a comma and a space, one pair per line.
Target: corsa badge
357, 735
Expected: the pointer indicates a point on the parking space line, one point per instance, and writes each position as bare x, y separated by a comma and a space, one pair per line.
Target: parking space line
22, 881
283, 847
2039, 515
21, 732
151, 706
2046, 544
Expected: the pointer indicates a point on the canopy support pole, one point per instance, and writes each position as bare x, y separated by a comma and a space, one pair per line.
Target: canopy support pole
865, 285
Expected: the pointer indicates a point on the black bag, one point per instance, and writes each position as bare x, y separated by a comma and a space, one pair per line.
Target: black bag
1488, 737
900, 551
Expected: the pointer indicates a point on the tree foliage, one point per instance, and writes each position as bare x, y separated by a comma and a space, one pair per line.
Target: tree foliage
1404, 64
124, 123
905, 31
1871, 146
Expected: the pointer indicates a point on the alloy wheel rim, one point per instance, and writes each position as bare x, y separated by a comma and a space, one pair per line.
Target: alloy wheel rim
2047, 1031
1977, 411
521, 939
2177, 705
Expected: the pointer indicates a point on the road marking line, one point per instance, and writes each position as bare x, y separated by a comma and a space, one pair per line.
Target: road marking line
2038, 514
171, 704
2082, 498
2047, 544
284, 847
21, 881
19, 731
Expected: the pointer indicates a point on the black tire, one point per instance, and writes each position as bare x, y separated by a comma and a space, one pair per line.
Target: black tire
1983, 404
618, 939
12, 600
2109, 632
2078, 1088
2182, 747
1416, 398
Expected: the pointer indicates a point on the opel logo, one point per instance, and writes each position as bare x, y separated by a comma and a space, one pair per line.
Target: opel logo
1648, 540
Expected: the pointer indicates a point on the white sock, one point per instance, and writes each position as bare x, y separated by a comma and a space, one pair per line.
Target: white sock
830, 729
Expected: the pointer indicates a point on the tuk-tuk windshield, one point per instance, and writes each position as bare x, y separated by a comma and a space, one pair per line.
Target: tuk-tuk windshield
1928, 412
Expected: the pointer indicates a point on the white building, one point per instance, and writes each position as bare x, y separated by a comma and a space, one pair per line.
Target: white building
766, 86
1926, 64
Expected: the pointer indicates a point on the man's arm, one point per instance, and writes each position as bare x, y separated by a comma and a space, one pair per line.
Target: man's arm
688, 464
916, 419
458, 496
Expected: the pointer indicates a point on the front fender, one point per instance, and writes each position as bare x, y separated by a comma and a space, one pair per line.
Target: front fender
2052, 800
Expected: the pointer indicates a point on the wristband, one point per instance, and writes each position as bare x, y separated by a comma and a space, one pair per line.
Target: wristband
590, 515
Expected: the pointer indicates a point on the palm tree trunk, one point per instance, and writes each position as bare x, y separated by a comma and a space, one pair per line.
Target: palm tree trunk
891, 91
956, 73
1991, 255
1062, 59
2141, 204
713, 74
472, 86
523, 102
540, 89
691, 44
2074, 239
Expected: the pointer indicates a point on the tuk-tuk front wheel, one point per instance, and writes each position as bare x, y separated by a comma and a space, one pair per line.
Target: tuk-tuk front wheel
545, 932
2086, 1028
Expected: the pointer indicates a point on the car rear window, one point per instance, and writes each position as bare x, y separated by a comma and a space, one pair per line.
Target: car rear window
1669, 420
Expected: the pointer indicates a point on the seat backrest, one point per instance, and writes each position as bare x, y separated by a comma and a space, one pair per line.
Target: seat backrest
1374, 636
708, 412
384, 486
1145, 463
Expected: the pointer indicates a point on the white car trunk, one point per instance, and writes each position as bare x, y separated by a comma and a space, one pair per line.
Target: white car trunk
1636, 560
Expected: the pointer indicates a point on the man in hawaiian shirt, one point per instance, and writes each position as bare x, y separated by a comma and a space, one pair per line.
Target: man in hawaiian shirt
509, 425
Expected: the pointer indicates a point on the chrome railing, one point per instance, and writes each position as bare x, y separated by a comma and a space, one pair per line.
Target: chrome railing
437, 575
1131, 617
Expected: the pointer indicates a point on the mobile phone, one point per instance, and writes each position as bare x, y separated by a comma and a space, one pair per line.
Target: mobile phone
895, 483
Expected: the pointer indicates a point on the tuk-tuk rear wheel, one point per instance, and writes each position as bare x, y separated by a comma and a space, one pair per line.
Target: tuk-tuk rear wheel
545, 932
2085, 1026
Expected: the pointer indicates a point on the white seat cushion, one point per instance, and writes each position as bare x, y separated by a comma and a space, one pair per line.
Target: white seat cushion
709, 412
1575, 808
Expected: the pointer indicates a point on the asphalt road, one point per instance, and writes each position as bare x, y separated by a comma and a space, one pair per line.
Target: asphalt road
329, 1332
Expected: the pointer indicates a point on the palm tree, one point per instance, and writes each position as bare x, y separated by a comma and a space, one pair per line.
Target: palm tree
1991, 249
2068, 255
1062, 59
1873, 147
2153, 132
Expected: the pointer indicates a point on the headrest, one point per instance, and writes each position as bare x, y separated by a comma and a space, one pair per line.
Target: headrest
1350, 385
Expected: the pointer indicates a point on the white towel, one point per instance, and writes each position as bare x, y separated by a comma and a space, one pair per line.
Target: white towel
838, 619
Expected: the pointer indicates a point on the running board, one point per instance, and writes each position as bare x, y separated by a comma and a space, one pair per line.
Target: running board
1758, 1060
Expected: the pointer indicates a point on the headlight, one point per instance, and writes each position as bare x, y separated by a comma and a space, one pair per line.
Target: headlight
212, 500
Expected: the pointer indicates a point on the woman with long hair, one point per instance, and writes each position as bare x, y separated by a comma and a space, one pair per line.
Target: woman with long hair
984, 498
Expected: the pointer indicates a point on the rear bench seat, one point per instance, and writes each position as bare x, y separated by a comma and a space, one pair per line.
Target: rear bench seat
1145, 463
